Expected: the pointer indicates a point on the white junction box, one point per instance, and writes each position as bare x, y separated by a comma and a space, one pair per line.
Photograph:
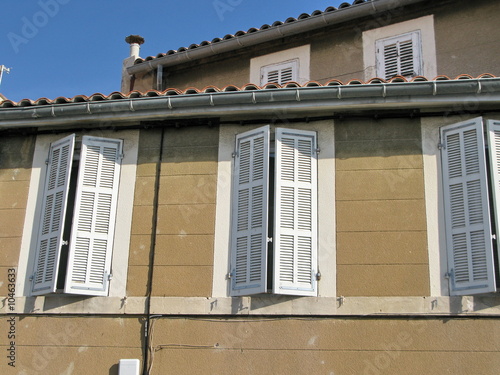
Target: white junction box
129, 367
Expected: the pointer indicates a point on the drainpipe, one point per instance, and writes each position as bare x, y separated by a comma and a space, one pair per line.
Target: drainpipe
135, 42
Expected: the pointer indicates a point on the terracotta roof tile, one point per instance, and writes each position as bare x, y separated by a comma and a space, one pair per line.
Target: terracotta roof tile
239, 33
229, 88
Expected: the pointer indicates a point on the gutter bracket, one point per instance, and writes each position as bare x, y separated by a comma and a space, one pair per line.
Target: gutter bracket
169, 103
52, 112
339, 95
35, 115
384, 92
212, 100
131, 105
88, 108
254, 98
479, 88
298, 95
434, 88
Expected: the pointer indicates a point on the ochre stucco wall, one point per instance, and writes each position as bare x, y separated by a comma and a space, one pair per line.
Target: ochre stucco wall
16, 153
186, 213
70, 344
381, 227
360, 346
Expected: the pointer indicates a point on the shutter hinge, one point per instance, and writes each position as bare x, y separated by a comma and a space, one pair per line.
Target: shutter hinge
447, 275
269, 239
64, 242
234, 154
494, 237
318, 275
440, 146
47, 161
121, 156
110, 276
229, 275
318, 150
32, 277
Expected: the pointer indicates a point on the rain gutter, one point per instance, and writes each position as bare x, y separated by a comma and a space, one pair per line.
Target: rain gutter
467, 94
370, 8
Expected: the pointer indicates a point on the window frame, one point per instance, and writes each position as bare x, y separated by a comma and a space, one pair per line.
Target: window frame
381, 58
326, 208
117, 287
479, 189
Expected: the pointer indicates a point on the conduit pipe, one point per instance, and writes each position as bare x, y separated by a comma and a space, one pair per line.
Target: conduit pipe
370, 8
428, 95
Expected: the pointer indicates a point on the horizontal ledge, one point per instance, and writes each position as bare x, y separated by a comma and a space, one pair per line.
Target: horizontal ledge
467, 306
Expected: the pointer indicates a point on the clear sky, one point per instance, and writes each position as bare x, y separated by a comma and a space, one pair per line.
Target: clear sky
71, 47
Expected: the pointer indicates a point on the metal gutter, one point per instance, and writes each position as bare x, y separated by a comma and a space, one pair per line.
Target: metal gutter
370, 8
424, 96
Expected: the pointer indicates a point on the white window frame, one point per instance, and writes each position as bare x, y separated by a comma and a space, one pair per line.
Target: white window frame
424, 25
117, 287
298, 58
435, 187
414, 38
280, 69
326, 208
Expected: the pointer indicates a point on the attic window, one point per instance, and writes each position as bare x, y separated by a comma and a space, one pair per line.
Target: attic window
399, 56
280, 73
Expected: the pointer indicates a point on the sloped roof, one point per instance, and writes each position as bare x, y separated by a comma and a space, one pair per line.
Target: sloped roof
252, 30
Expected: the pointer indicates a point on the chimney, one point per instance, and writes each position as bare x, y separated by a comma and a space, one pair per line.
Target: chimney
135, 42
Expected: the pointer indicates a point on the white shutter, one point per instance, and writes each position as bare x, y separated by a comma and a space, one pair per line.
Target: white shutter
91, 243
280, 73
493, 127
295, 233
249, 213
399, 55
468, 226
55, 198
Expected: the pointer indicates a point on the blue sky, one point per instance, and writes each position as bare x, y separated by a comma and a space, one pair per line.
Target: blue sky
68, 47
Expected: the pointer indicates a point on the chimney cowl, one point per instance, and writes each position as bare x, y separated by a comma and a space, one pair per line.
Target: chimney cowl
135, 39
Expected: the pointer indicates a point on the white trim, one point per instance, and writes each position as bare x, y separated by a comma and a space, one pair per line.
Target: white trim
124, 210
326, 207
302, 54
424, 24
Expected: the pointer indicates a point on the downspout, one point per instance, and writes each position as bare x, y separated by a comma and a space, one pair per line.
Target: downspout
154, 226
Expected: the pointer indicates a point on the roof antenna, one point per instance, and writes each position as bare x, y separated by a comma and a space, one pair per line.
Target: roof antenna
3, 69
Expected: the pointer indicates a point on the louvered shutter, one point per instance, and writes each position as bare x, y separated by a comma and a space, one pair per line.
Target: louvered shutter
295, 233
55, 198
468, 226
493, 128
92, 232
399, 55
249, 213
280, 73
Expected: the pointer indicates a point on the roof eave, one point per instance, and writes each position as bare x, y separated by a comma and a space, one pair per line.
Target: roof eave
444, 96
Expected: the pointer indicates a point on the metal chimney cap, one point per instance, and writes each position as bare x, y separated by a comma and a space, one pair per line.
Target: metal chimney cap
135, 39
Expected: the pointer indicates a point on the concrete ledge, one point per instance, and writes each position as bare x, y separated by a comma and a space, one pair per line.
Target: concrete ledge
260, 305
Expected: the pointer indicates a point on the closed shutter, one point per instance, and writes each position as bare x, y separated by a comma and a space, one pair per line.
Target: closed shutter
55, 197
295, 234
249, 213
280, 73
468, 226
91, 243
399, 55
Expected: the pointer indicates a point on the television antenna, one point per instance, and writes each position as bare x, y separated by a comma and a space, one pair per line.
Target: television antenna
3, 69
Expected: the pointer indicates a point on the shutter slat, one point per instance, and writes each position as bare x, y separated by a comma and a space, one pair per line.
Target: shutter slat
91, 244
53, 213
295, 249
468, 226
249, 213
